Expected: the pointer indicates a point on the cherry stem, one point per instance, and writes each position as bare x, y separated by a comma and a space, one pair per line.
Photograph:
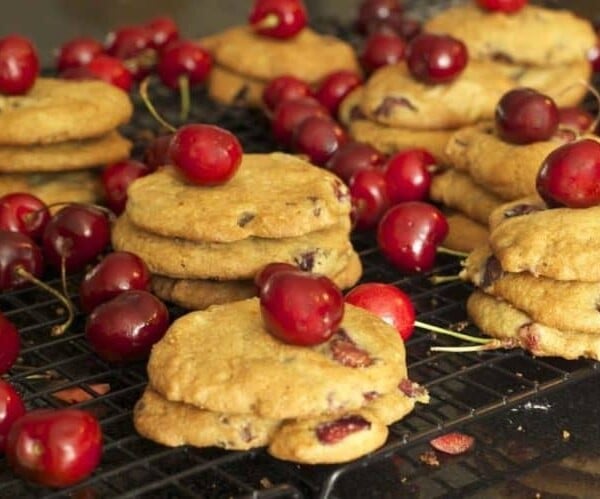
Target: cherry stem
151, 109
448, 332
441, 279
490, 345
57, 330
184, 95
63, 275
107, 211
269, 21
448, 251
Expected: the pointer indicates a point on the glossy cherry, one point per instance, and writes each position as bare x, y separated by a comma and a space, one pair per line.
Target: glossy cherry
25, 213
128, 41
318, 137
282, 88
205, 154
388, 302
353, 157
116, 178
507, 6
18, 251
55, 448
117, 272
408, 175
268, 270
76, 234
570, 175
409, 233
434, 59
183, 58
163, 31
157, 152
19, 65
301, 308
593, 55
278, 18
374, 13
77, 52
382, 49
290, 114
524, 115
11, 409
125, 328
369, 198
335, 87
576, 118
105, 68
10, 346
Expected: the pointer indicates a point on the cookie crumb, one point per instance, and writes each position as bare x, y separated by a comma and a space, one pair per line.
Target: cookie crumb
265, 483
429, 458
566, 435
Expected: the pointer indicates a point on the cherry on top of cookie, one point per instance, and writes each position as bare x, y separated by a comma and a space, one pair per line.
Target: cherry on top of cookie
278, 18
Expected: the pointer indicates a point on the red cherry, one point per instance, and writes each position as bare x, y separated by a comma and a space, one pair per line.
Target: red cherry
205, 154
164, 30
183, 58
382, 49
278, 18
570, 175
78, 234
55, 448
576, 118
18, 251
268, 270
593, 55
301, 308
117, 272
507, 6
335, 87
319, 138
77, 52
291, 113
376, 12
11, 409
125, 328
407, 175
105, 68
157, 152
353, 157
10, 346
409, 233
19, 65
524, 115
116, 179
436, 59
284, 88
25, 213
369, 198
128, 41
388, 302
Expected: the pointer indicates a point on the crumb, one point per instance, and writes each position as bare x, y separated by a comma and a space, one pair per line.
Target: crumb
519, 428
429, 458
538, 495
566, 435
265, 483
403, 479
459, 326
519, 375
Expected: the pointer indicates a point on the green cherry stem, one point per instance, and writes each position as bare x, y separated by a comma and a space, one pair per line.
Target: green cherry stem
448, 332
448, 251
152, 110
442, 279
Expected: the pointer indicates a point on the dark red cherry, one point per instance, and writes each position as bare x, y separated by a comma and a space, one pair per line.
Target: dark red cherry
335, 87
76, 234
25, 213
117, 272
382, 49
575, 118
284, 88
290, 114
524, 115
407, 175
18, 251
125, 328
375, 12
183, 58
353, 157
54, 447
319, 137
570, 175
11, 409
77, 52
10, 346
507, 6
593, 55
164, 30
205, 154
157, 152
388, 302
105, 68
369, 198
434, 59
19, 65
301, 308
278, 18
128, 41
116, 178
409, 233
268, 270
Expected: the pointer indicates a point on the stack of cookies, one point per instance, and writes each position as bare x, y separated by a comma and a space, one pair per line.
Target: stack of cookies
52, 138
218, 378
246, 61
204, 245
538, 282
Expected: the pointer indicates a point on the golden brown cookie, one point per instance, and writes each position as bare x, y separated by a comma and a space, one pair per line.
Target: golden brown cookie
229, 87
349, 109
62, 110
464, 234
516, 208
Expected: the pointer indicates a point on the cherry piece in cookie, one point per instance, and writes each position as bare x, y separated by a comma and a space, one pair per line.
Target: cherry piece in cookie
507, 6
19, 65
382, 49
77, 52
368, 192
11, 409
332, 432
278, 18
434, 59
116, 178
10, 346
407, 175
319, 138
335, 87
25, 213
283, 88
353, 157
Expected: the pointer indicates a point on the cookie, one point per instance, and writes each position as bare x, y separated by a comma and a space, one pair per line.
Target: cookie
63, 156
516, 208
228, 87
223, 359
559, 304
324, 252
62, 110
458, 191
560, 243
272, 195
198, 294
499, 319
393, 97
533, 36
391, 407
464, 234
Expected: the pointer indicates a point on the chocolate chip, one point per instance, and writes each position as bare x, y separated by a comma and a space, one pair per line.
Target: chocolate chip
461, 143
389, 103
332, 432
370, 396
502, 57
492, 271
245, 218
521, 209
242, 96
306, 261
356, 114
317, 211
246, 433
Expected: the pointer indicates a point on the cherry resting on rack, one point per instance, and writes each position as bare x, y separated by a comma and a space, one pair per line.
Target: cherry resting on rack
11, 409
335, 87
318, 137
18, 251
25, 213
116, 178
353, 157
290, 114
368, 192
408, 176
